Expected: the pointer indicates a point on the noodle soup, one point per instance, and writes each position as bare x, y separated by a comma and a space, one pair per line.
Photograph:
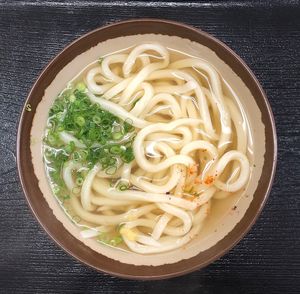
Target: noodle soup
142, 143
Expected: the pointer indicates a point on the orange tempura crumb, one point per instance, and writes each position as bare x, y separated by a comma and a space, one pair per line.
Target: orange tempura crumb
198, 181
193, 169
208, 180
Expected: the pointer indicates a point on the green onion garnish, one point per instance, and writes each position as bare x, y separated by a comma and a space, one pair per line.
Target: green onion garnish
117, 136
123, 187
116, 240
72, 98
96, 119
79, 181
99, 138
111, 170
80, 120
116, 149
80, 86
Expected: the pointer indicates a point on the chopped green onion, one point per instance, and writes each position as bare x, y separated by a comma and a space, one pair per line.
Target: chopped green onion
59, 115
80, 120
56, 107
51, 123
72, 98
105, 122
79, 181
112, 161
111, 170
123, 187
80, 87
56, 190
48, 153
106, 127
96, 119
70, 147
117, 136
53, 138
100, 60
128, 127
76, 156
128, 155
99, 131
93, 134
104, 165
116, 240
83, 154
102, 237
116, 149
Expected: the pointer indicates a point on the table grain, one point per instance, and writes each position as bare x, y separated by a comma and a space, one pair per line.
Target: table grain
266, 34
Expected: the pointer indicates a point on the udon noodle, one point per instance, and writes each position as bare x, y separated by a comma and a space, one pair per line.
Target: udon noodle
168, 139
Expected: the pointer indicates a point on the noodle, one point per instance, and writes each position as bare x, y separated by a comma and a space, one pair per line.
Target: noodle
139, 148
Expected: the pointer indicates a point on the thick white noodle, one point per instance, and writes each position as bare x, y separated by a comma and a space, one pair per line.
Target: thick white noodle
118, 111
190, 146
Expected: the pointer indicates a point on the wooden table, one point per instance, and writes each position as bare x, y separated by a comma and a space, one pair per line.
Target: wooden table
266, 34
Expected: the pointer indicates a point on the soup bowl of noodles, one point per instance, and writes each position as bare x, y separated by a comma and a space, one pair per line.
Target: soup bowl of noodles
141, 149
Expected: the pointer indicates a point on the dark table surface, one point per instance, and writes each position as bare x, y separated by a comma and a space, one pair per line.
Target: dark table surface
266, 34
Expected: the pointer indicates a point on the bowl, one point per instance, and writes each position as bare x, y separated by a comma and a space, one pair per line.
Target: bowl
245, 210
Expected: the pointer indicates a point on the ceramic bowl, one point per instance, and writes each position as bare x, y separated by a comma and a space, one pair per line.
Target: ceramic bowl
239, 212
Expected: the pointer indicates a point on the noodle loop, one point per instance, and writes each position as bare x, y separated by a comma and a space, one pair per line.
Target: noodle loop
164, 139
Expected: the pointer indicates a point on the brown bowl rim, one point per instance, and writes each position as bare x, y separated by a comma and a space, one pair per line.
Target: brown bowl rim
110, 266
